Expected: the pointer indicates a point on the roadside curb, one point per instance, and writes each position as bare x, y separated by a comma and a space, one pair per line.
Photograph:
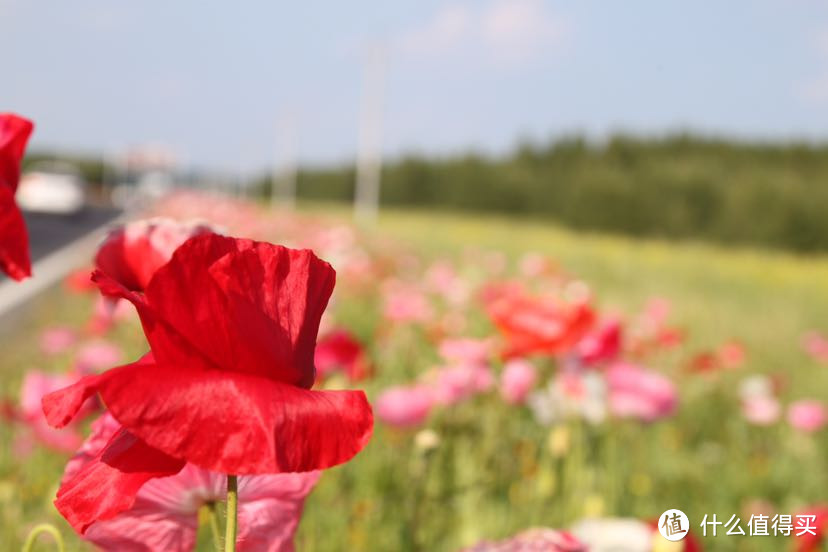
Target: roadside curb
51, 269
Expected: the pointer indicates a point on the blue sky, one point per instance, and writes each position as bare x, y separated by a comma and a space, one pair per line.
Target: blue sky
223, 84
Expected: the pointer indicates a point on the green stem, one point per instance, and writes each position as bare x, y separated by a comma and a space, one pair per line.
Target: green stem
214, 528
39, 530
232, 507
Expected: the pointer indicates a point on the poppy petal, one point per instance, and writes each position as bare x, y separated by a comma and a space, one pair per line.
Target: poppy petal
62, 405
14, 239
231, 422
270, 298
108, 484
132, 253
225, 421
14, 134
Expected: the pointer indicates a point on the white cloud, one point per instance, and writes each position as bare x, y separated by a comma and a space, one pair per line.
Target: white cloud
504, 30
821, 42
815, 90
447, 29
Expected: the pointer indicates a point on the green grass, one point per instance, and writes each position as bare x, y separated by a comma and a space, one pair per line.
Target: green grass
494, 472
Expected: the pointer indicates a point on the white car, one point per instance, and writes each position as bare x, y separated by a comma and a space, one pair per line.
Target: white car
53, 189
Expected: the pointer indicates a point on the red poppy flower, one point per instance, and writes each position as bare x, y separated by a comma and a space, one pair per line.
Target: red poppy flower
14, 239
339, 350
232, 327
539, 325
811, 540
602, 344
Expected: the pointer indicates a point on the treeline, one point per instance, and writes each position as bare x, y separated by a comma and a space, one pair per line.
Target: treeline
677, 187
767, 194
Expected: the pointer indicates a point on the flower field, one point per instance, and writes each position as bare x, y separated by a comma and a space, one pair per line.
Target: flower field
520, 376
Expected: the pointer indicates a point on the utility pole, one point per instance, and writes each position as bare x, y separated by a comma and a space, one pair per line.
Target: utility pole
369, 156
285, 168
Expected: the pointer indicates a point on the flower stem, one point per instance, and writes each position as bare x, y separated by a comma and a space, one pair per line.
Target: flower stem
232, 507
214, 526
39, 530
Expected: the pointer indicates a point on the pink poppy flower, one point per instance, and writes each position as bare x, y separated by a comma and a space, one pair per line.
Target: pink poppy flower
638, 393
108, 311
466, 350
657, 310
761, 410
816, 345
164, 517
54, 341
406, 303
807, 415
453, 384
600, 345
548, 540
36, 384
96, 356
442, 279
517, 380
405, 407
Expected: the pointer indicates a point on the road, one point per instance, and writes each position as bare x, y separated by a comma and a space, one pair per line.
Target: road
48, 233
57, 243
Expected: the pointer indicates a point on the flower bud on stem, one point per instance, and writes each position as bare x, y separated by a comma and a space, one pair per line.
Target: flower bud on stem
40, 529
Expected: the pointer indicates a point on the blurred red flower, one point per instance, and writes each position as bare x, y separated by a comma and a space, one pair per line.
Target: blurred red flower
14, 238
539, 325
602, 344
232, 327
811, 541
340, 350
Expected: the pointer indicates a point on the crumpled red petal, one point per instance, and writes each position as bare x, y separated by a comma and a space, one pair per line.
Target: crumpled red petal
122, 467
225, 421
14, 239
237, 304
14, 134
133, 252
